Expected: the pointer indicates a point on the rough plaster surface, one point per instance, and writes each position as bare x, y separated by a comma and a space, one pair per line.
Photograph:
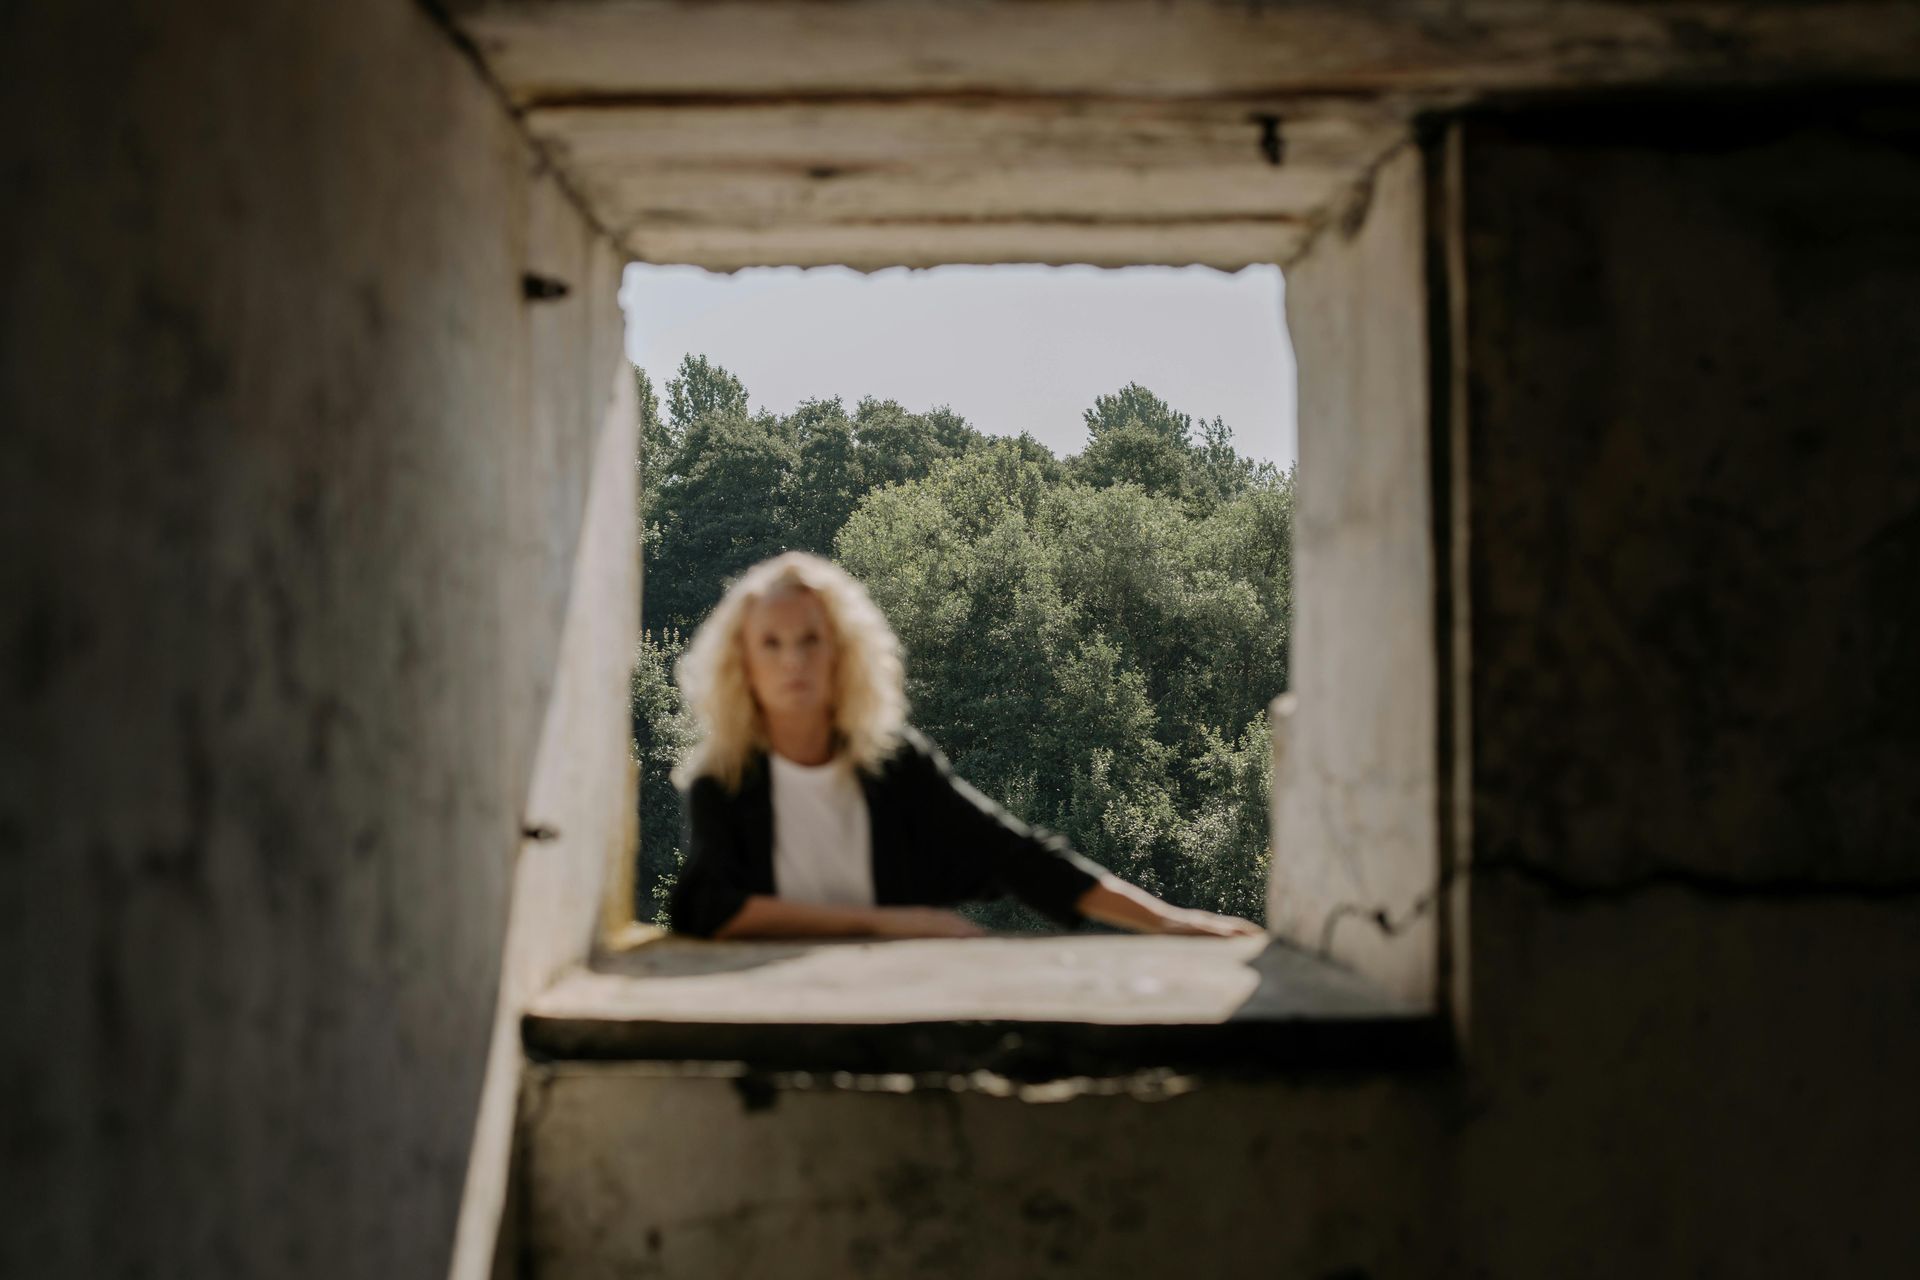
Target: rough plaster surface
1695, 463
1356, 754
898, 132
292, 486
1668, 1085
579, 805
1672, 1091
872, 181
604, 49
1691, 1043
652, 1172
288, 505
1095, 979
1693, 477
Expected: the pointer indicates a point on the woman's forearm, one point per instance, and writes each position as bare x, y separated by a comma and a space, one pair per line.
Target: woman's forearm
1113, 901
1125, 906
764, 916
1110, 901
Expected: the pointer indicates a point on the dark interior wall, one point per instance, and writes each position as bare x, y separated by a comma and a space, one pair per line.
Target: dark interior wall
1693, 451
286, 550
1691, 1030
282, 606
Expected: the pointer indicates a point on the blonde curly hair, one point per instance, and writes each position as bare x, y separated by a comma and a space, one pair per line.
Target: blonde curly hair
869, 703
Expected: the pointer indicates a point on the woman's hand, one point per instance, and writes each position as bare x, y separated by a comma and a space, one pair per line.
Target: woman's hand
923, 922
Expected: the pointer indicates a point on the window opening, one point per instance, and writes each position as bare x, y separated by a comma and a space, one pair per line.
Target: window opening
1071, 491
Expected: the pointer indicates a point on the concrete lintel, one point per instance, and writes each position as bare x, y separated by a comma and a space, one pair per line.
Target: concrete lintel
1024, 1008
1227, 244
543, 49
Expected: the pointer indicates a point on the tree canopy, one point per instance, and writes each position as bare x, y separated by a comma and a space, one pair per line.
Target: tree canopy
1092, 639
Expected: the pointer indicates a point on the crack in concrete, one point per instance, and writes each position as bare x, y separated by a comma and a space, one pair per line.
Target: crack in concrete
1705, 884
1379, 917
1348, 209
1577, 890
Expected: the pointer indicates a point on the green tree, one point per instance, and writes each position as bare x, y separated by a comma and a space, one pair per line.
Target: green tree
826, 483
1135, 437
1098, 658
663, 731
897, 446
1216, 471
1094, 640
703, 389
716, 501
659, 446
1223, 852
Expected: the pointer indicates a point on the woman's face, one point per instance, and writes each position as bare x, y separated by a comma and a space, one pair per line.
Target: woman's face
790, 653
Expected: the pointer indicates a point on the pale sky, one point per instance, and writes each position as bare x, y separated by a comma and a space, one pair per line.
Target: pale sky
1011, 349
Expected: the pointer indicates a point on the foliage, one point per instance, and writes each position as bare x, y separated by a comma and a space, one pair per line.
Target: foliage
663, 731
1093, 639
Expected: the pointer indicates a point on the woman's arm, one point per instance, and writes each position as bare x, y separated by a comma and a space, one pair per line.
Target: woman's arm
764, 916
982, 850
718, 875
723, 894
1113, 901
1043, 870
1110, 901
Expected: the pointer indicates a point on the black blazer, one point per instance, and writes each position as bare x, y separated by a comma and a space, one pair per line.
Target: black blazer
936, 842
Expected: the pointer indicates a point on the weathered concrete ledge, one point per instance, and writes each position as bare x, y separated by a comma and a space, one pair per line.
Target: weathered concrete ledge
1023, 1008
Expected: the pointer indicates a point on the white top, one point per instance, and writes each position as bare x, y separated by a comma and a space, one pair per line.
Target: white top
822, 836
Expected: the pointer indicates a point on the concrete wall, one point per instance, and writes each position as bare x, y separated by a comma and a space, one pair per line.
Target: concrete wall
578, 869
1677, 378
292, 502
315, 548
638, 1171
1356, 753
1693, 472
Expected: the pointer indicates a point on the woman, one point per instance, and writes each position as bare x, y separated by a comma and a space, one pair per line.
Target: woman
813, 810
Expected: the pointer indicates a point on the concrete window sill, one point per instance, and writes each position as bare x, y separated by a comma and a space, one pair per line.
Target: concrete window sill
1026, 1008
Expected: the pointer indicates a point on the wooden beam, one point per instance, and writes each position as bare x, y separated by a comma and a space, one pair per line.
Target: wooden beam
757, 166
1038, 132
1228, 244
682, 198
561, 50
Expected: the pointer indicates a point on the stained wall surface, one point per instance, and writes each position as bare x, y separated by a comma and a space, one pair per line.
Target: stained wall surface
1693, 473
293, 485
647, 1171
292, 509
1688, 1037
1356, 748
